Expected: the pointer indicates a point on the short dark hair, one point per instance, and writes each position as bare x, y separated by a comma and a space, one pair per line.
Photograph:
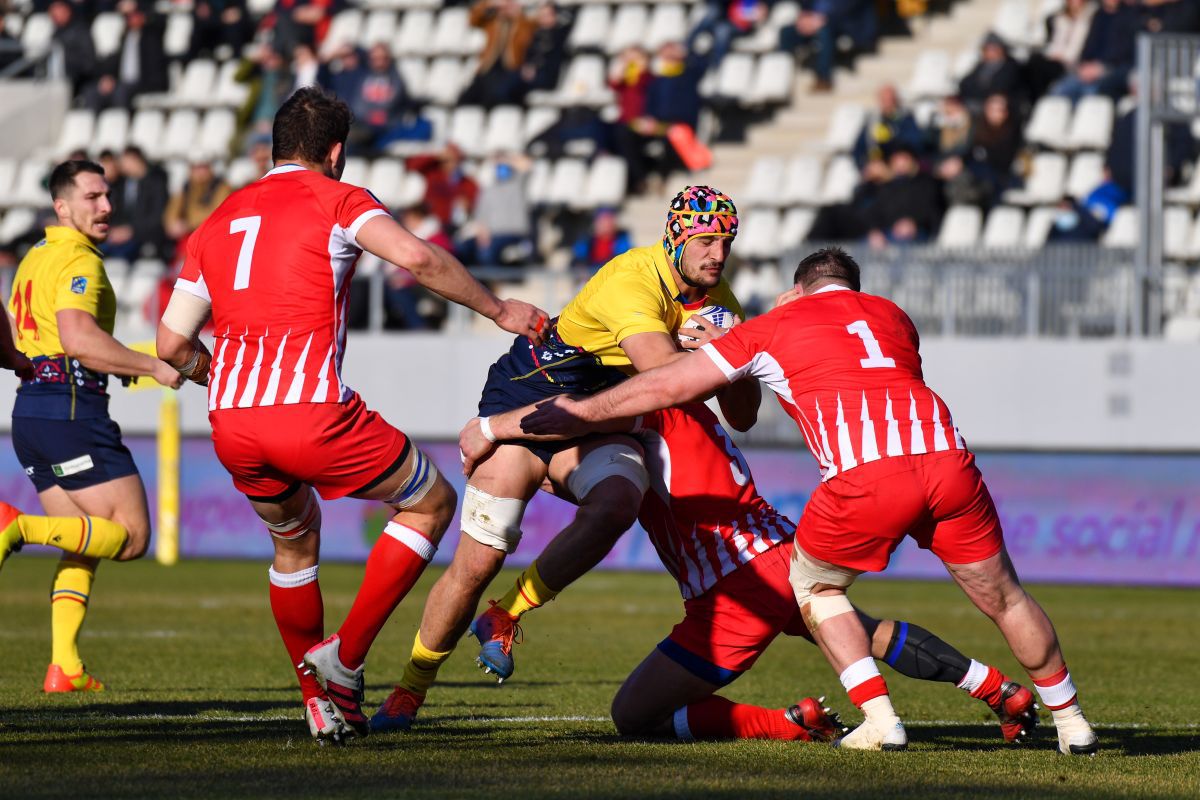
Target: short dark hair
63, 176
828, 263
308, 124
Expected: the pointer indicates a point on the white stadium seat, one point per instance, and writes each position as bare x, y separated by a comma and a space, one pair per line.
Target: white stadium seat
241, 171
734, 75
503, 132
844, 127
1189, 194
605, 182
1193, 249
1177, 230
537, 188
1045, 183
344, 29
451, 33
1004, 228
386, 180
196, 87
216, 133
802, 181
413, 71
794, 228
415, 36
1048, 126
840, 180
584, 82
537, 120
28, 189
414, 189
229, 91
146, 130
1012, 22
177, 174
758, 236
356, 171
773, 79
566, 180
448, 76
764, 185
17, 222
1123, 231
628, 27
931, 76
77, 131
36, 35
1038, 226
666, 22
590, 31
259, 8
178, 35
379, 27
1091, 127
8, 175
1182, 329
107, 29
179, 137
466, 129
1087, 172
112, 130
960, 227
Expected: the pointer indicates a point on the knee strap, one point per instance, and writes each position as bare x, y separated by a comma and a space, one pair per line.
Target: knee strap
492, 521
309, 519
420, 480
606, 461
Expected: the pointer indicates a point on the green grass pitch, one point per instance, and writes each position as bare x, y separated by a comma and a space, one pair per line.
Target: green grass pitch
201, 702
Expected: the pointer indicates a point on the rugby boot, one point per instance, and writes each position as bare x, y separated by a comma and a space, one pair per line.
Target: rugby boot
398, 711
343, 686
821, 722
10, 533
325, 721
1075, 734
1017, 712
886, 734
497, 632
58, 681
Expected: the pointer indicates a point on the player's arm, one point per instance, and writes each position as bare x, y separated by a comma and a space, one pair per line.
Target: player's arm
442, 273
83, 339
479, 436
10, 356
178, 340
739, 403
674, 383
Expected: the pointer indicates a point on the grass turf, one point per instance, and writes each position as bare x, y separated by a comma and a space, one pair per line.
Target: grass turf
201, 702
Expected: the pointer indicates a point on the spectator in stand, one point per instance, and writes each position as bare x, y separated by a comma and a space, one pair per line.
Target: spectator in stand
302, 22
509, 33
1107, 56
818, 27
1120, 163
270, 84
724, 21
979, 174
450, 193
501, 229
346, 72
889, 126
306, 69
72, 54
402, 293
1067, 32
10, 46
383, 110
544, 58
629, 78
1074, 224
673, 98
606, 241
140, 65
112, 168
1171, 16
259, 153
202, 192
219, 24
907, 205
996, 73
138, 199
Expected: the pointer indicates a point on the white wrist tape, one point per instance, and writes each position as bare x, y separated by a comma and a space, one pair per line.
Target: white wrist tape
485, 427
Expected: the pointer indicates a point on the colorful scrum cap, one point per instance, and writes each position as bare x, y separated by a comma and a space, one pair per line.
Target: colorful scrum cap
698, 211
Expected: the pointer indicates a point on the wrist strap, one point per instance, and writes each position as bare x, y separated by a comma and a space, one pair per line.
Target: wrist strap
485, 427
186, 369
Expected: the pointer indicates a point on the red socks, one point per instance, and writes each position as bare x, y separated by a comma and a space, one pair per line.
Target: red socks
395, 564
300, 616
718, 718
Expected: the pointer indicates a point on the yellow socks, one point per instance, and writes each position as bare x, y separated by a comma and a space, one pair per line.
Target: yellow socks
528, 593
422, 668
84, 536
68, 607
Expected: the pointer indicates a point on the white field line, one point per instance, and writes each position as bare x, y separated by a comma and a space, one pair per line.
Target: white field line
99, 714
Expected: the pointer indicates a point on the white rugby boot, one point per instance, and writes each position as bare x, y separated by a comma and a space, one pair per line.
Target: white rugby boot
1075, 734
876, 733
325, 722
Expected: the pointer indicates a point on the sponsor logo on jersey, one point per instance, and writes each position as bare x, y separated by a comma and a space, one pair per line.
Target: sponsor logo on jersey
79, 285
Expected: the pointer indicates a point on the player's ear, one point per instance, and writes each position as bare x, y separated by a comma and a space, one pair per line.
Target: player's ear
337, 159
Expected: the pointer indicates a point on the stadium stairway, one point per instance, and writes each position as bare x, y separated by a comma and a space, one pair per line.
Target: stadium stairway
805, 126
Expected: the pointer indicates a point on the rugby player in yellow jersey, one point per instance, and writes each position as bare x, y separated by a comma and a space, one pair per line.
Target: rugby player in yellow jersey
624, 320
62, 310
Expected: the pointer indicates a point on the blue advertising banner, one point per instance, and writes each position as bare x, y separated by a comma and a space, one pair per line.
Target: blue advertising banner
1079, 518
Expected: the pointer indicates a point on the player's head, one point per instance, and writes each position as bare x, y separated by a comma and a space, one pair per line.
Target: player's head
827, 265
701, 225
80, 196
310, 129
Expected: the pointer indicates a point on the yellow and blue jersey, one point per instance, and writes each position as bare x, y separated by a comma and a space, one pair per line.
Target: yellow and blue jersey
62, 271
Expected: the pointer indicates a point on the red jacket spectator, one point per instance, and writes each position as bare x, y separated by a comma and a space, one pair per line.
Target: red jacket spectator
450, 193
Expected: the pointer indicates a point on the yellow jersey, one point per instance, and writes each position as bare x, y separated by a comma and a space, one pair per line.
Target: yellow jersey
633, 293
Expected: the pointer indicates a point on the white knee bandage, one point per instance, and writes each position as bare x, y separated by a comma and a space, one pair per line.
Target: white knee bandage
805, 574
606, 461
492, 521
309, 519
418, 483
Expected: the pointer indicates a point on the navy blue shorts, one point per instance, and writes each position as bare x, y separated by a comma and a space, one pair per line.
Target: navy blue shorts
71, 453
526, 374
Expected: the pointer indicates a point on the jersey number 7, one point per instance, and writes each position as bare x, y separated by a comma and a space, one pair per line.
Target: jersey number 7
248, 226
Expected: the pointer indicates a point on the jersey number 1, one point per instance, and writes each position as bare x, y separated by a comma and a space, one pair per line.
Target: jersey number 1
875, 356
248, 226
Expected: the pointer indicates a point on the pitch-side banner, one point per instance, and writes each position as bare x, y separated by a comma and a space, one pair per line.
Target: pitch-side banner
1080, 518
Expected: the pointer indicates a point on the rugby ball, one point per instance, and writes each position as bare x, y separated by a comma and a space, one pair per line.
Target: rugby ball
720, 316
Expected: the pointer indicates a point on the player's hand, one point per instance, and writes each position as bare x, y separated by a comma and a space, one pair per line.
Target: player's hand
18, 363
704, 332
560, 416
519, 317
794, 293
473, 446
167, 375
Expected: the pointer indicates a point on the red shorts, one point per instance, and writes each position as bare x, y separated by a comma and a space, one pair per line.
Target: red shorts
337, 448
858, 518
727, 628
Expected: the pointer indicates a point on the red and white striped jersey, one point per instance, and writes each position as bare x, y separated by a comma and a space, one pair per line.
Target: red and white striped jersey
846, 367
275, 261
703, 513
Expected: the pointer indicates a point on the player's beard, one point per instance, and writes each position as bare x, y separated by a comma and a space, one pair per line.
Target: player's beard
701, 279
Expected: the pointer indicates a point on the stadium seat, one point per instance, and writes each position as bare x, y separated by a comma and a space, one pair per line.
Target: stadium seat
765, 38
758, 238
583, 83
1004, 228
379, 27
240, 172
179, 136
931, 76
446, 80
146, 130
415, 35
356, 171
503, 132
1048, 126
414, 190
178, 35
666, 22
118, 270
466, 129
144, 277
566, 181
36, 34
216, 133
628, 27
1123, 231
844, 126
8, 175
1182, 329
1175, 288
605, 182
537, 120
1091, 127
840, 180
1087, 172
452, 33
802, 181
960, 227
773, 79
112, 130
16, 223
964, 62
1038, 226
537, 188
260, 8
734, 75
590, 31
794, 228
77, 131
1177, 231
177, 174
1012, 22
385, 179
1189, 194
196, 87
764, 185
1044, 184
413, 71
28, 189
229, 91
107, 29
344, 29
1194, 241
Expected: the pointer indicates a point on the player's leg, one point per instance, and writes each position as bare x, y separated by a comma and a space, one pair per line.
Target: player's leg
493, 507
